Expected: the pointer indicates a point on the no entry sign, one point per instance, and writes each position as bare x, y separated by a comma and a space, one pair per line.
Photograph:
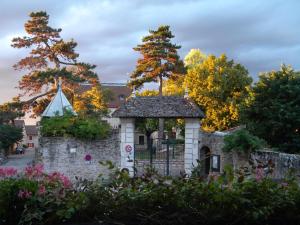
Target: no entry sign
128, 148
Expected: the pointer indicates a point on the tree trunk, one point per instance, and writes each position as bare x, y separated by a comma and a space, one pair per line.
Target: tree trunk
161, 121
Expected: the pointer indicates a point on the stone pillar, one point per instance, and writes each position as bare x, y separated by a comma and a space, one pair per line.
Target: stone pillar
191, 146
127, 145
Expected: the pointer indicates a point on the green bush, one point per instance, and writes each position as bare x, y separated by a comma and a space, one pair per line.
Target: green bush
88, 128
242, 141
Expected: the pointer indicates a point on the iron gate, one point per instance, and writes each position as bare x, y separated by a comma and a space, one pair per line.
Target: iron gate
166, 157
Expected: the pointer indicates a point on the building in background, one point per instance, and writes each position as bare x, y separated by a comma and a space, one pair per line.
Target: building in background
32, 138
30, 134
118, 93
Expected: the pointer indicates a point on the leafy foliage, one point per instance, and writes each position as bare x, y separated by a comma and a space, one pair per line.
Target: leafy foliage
9, 135
90, 102
88, 128
194, 57
10, 111
242, 141
273, 109
219, 86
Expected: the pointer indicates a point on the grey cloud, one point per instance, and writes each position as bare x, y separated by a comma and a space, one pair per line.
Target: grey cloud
259, 34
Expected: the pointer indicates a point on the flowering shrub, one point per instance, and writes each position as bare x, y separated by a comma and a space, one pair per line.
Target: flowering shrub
7, 172
33, 197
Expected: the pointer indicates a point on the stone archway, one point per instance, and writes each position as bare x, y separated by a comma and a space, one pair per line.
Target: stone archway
204, 155
159, 107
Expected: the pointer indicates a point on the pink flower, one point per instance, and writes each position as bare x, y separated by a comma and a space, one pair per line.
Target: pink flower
59, 177
34, 171
259, 173
42, 190
24, 194
8, 171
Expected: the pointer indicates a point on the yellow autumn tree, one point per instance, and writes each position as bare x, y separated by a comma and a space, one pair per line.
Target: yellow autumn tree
91, 101
218, 86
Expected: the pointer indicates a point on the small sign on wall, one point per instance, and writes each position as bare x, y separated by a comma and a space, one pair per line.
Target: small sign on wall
215, 163
129, 152
128, 148
88, 159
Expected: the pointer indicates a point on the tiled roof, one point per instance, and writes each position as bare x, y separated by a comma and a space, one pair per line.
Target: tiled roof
31, 130
119, 94
158, 107
19, 123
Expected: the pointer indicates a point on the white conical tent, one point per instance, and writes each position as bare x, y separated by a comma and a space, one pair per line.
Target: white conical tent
59, 105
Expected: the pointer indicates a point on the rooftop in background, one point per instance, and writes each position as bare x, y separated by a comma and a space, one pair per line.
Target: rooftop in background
119, 92
31, 130
19, 123
158, 107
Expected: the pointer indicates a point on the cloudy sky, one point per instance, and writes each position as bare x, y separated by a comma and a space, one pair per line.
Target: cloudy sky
259, 34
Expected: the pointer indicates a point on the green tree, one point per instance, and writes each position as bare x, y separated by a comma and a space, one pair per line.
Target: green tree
9, 135
10, 111
50, 57
218, 86
273, 110
242, 141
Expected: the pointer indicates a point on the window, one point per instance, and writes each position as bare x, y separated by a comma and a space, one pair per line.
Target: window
30, 137
30, 145
141, 140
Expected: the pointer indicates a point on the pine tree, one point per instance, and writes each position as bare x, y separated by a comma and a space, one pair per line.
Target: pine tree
51, 57
159, 59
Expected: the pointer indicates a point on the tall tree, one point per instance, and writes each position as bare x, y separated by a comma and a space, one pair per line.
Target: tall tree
159, 60
50, 57
273, 109
219, 86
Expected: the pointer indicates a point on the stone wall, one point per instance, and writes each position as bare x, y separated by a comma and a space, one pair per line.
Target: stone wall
275, 164
68, 155
283, 163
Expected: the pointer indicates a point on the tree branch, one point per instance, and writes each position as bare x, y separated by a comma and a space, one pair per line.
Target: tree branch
28, 102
